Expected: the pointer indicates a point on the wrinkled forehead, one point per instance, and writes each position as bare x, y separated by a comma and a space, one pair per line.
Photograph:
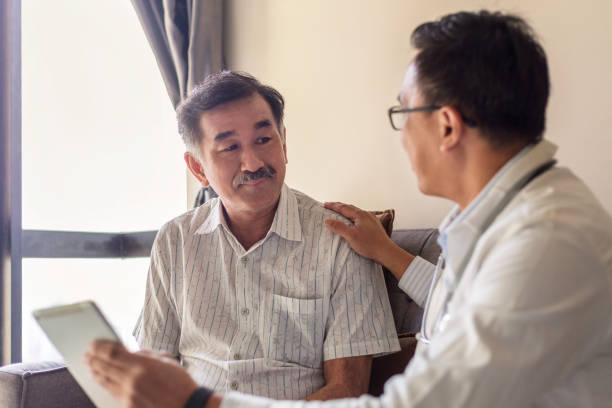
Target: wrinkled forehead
409, 93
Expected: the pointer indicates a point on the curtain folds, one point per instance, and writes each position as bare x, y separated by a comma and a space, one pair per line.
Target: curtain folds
187, 39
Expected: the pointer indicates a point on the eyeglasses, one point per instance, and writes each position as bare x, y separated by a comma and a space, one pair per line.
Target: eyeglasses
398, 115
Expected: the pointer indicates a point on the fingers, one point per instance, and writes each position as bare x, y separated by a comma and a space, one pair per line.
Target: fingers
109, 375
142, 379
164, 355
111, 352
110, 369
349, 211
338, 227
105, 349
105, 380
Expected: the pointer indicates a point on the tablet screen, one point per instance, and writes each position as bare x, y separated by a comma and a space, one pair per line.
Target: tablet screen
71, 328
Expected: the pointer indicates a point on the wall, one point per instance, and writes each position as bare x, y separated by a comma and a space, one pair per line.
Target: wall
340, 63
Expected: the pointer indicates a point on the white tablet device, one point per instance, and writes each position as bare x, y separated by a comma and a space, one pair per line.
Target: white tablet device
71, 328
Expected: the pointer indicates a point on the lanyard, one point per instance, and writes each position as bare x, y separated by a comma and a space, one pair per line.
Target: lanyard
444, 316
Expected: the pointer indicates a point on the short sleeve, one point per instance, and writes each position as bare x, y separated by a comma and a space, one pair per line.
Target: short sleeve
158, 326
360, 320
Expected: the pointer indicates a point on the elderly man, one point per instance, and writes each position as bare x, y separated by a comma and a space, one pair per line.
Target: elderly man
518, 308
250, 290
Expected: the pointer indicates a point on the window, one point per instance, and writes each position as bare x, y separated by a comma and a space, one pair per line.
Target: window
100, 153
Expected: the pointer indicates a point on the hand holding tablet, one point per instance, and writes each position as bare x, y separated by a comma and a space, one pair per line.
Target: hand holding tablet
71, 328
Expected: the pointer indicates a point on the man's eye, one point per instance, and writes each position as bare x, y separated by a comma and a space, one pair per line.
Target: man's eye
230, 148
262, 140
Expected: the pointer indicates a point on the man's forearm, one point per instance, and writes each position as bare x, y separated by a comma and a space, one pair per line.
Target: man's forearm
344, 378
334, 391
328, 392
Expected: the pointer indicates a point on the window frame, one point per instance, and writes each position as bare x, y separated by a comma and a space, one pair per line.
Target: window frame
10, 180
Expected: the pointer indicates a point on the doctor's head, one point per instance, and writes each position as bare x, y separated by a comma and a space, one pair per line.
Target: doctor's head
480, 73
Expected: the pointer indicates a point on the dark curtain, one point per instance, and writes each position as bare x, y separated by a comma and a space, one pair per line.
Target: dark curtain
187, 39
10, 181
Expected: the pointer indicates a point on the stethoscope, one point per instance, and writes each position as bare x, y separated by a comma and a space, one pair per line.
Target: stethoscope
452, 284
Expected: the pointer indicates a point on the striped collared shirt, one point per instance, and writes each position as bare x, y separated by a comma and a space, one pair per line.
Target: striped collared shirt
263, 320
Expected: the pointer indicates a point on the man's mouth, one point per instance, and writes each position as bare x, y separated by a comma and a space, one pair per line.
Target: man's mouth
253, 178
254, 182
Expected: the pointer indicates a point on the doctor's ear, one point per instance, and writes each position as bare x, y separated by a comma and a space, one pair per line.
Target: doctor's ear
451, 128
195, 167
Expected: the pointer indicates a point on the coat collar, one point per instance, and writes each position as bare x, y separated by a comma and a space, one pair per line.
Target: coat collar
460, 229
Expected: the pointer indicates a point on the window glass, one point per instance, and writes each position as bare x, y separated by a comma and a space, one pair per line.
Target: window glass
100, 152
100, 147
116, 285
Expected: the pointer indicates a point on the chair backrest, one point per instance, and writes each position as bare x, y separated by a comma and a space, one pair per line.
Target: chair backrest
421, 242
204, 194
406, 314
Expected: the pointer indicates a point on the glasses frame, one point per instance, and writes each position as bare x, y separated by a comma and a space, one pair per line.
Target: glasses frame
429, 108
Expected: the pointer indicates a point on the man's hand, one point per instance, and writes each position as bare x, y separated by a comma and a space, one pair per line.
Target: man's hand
144, 379
368, 238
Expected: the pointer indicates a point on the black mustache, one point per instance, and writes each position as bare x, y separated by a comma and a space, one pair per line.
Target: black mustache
247, 176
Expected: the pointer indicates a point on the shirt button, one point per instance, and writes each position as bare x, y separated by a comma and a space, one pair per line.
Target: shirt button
244, 312
234, 385
237, 356
244, 260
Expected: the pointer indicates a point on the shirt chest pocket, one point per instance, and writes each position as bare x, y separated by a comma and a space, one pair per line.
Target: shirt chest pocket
297, 330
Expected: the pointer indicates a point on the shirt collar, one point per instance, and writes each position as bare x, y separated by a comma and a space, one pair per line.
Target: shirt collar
286, 223
460, 229
214, 218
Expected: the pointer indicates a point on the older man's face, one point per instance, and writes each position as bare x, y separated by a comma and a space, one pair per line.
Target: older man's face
244, 155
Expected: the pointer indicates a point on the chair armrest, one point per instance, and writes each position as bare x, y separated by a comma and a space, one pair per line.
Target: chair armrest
41, 384
386, 366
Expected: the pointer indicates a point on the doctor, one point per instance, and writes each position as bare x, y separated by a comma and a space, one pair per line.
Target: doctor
518, 308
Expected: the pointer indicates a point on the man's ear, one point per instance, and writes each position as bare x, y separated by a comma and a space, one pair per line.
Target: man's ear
195, 167
285, 143
452, 128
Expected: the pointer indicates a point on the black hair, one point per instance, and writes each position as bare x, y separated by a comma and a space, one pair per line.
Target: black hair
490, 67
217, 89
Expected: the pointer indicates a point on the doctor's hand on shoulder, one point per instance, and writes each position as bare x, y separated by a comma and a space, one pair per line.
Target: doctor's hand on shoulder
368, 238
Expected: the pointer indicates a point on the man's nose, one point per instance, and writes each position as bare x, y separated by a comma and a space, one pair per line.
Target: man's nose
250, 160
